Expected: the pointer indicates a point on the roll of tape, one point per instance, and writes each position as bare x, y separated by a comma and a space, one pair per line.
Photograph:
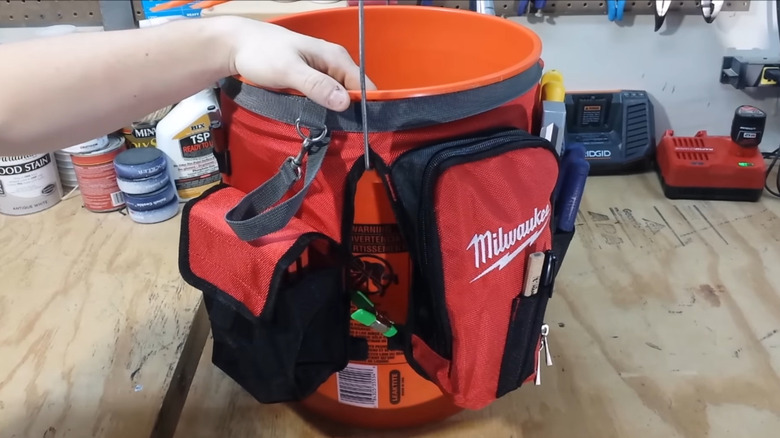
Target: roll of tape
140, 163
161, 214
151, 201
140, 186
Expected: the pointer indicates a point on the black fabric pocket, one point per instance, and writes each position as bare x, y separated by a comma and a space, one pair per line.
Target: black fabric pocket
522, 343
290, 356
278, 306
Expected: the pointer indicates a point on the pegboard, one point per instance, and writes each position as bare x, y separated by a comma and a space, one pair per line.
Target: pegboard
138, 10
599, 7
38, 13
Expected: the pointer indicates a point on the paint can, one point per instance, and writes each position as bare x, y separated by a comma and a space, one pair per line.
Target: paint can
88, 146
66, 170
97, 177
28, 184
143, 133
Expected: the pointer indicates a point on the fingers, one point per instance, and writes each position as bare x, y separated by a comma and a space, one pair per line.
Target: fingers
323, 71
320, 88
336, 61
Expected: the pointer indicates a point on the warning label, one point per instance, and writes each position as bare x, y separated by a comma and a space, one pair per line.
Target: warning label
377, 239
377, 345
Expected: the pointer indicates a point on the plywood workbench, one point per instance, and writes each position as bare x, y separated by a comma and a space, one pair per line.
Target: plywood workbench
664, 324
94, 326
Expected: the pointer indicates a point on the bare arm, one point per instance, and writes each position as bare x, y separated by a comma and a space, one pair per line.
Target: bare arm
56, 92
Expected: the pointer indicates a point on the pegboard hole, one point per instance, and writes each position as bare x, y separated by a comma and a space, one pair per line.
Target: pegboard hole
568, 5
26, 17
457, 6
601, 5
91, 14
10, 17
584, 5
649, 3
75, 14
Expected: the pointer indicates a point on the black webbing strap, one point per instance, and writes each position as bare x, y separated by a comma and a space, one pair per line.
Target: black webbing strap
388, 115
256, 215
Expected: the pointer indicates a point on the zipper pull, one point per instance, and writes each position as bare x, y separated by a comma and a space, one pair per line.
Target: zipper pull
546, 345
538, 380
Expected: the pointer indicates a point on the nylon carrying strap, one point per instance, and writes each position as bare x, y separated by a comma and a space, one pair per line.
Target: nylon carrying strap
387, 116
255, 215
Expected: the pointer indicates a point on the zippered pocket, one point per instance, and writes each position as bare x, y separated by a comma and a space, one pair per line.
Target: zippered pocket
473, 210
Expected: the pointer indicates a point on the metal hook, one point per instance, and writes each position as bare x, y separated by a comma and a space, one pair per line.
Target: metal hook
307, 145
305, 137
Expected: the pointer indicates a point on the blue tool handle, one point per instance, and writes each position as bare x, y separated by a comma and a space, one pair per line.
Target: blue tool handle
576, 169
522, 7
539, 4
620, 8
426, 3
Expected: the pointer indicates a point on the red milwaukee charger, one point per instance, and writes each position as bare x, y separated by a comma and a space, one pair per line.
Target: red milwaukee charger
715, 167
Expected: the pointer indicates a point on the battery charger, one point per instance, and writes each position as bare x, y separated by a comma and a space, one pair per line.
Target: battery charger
616, 128
727, 168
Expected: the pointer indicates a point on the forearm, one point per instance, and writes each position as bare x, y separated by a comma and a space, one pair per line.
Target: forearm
58, 92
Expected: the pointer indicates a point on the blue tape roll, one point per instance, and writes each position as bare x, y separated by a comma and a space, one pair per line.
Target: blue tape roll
161, 214
152, 200
141, 186
140, 163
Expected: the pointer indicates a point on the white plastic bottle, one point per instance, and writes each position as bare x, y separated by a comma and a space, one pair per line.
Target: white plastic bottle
186, 135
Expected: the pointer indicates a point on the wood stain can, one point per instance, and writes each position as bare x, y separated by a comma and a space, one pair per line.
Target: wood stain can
97, 177
28, 184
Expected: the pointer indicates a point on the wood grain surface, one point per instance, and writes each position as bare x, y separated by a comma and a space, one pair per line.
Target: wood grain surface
664, 324
93, 319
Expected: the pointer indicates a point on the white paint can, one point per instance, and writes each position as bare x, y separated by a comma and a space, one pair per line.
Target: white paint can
28, 184
88, 146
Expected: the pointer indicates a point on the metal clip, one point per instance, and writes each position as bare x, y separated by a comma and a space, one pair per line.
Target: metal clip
307, 145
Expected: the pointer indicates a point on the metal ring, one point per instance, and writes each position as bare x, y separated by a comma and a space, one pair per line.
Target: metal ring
303, 136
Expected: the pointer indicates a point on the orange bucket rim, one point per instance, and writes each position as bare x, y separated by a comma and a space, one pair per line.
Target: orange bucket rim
452, 87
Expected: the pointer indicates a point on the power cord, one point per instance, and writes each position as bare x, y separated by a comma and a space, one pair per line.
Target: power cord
774, 156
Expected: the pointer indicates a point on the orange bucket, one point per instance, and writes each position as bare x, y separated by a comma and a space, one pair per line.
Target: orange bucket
414, 51
411, 51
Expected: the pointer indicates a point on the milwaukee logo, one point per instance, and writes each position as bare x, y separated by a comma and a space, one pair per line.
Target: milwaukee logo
489, 245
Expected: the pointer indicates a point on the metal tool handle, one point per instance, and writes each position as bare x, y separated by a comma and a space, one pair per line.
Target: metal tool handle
363, 106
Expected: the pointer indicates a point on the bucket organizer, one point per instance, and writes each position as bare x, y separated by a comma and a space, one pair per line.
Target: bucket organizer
403, 287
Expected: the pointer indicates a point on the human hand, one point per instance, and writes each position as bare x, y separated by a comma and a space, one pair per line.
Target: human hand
272, 56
